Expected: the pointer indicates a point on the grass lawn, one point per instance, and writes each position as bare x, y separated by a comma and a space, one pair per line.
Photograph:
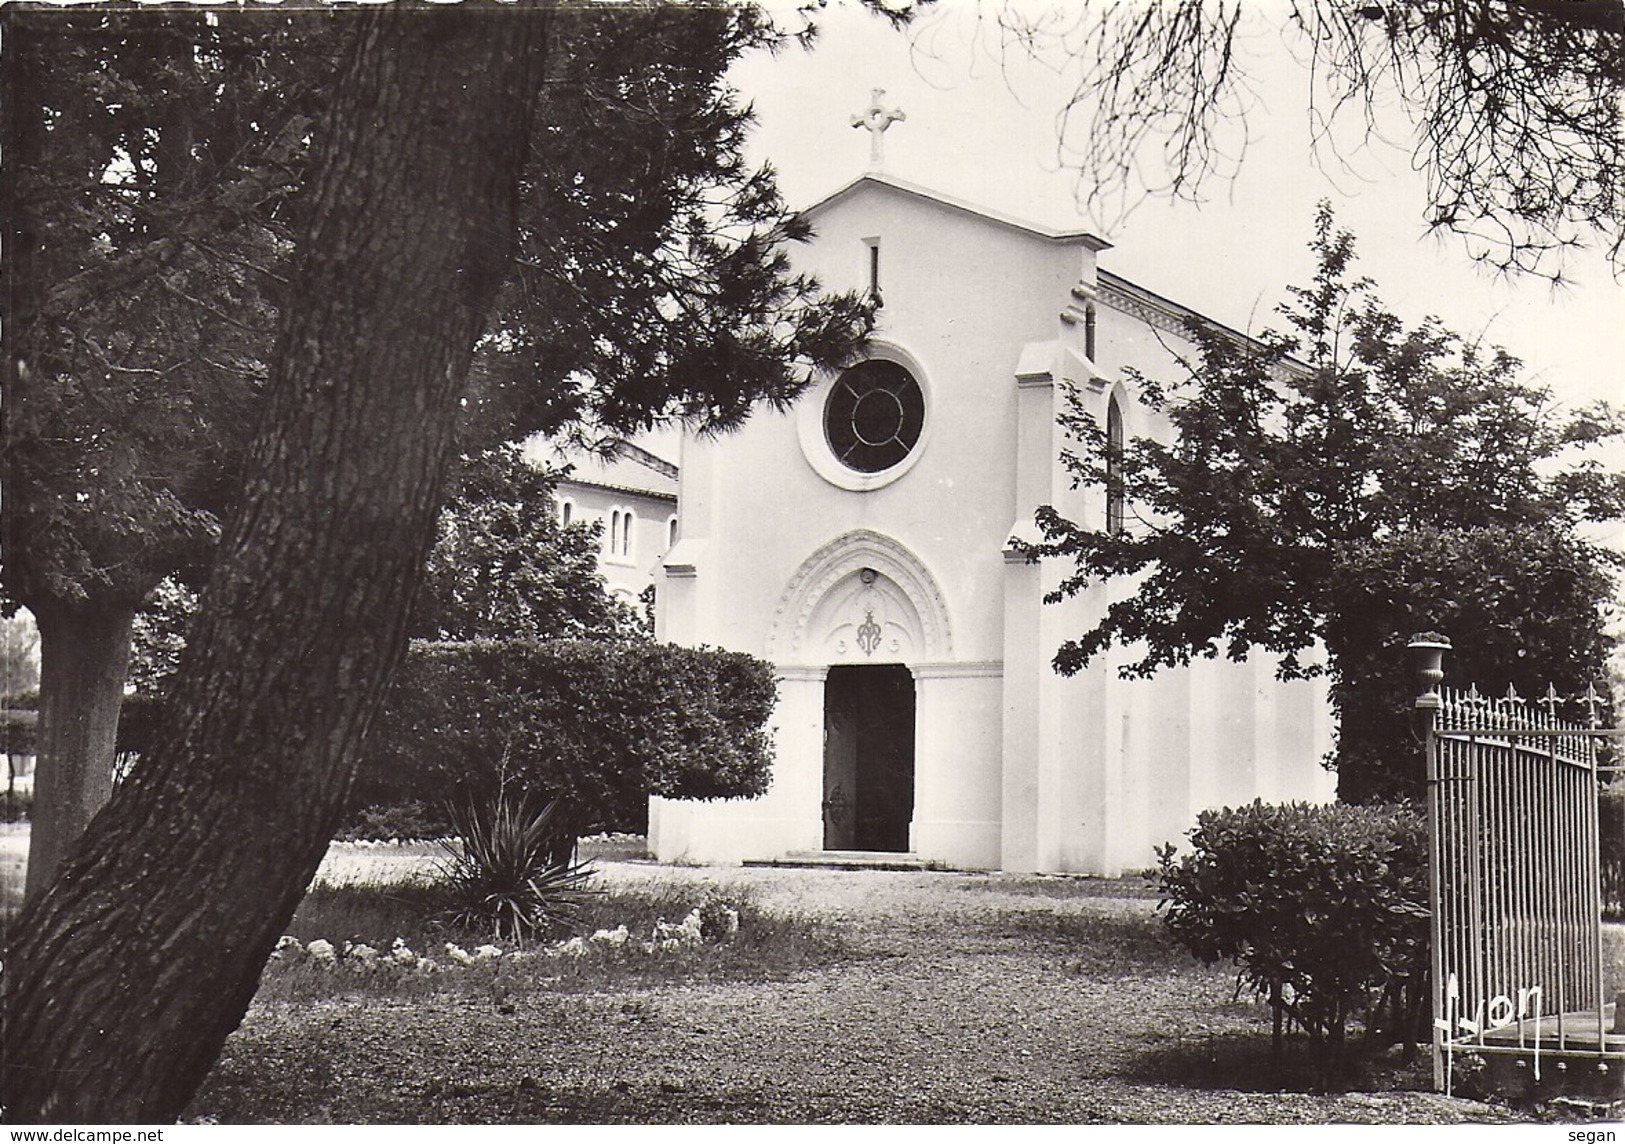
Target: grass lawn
842, 997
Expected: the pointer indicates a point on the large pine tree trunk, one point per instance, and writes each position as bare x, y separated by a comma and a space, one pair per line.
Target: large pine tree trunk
84, 662
128, 972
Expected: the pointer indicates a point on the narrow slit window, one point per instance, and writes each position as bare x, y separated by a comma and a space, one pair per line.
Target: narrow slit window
1114, 467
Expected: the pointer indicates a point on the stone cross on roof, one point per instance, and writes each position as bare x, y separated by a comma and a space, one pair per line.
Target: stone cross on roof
876, 119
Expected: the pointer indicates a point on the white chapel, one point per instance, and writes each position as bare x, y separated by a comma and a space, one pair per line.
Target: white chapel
861, 543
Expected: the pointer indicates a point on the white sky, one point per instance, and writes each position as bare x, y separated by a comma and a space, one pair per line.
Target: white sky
987, 134
978, 134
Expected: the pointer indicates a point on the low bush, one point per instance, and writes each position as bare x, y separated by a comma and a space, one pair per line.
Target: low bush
1322, 908
409, 821
17, 728
598, 726
16, 805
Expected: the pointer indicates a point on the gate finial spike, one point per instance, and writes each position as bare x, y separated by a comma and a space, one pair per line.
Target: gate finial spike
1593, 701
1512, 694
1551, 700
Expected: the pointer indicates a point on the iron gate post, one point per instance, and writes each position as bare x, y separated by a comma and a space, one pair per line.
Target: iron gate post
1427, 650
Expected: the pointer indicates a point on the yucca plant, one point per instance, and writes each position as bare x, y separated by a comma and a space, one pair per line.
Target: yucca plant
503, 873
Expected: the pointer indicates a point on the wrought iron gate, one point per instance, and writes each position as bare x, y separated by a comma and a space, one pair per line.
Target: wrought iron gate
1518, 935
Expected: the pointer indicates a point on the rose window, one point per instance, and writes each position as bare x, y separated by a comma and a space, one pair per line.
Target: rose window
873, 416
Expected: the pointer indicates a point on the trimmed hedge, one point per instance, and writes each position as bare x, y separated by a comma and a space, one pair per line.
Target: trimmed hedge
17, 731
597, 726
1323, 909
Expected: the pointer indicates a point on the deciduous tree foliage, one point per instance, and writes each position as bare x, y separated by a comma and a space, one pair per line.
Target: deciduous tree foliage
19, 664
1514, 105
1525, 607
1343, 485
128, 970
503, 567
151, 163
163, 156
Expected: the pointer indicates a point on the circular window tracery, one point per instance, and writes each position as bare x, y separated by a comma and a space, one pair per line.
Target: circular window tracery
873, 416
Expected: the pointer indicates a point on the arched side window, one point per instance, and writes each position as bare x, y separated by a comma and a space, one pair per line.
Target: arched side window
1114, 466
626, 534
612, 538
567, 511
671, 530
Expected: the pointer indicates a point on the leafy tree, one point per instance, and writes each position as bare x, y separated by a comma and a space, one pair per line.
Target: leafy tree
503, 567
1524, 607
302, 619
158, 638
1346, 484
152, 164
1515, 104
19, 665
157, 216
126, 973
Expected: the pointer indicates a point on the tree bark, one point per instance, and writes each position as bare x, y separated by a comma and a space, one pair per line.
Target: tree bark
84, 662
132, 967
84, 617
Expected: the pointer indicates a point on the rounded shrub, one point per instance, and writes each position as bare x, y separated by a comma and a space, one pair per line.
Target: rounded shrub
1322, 908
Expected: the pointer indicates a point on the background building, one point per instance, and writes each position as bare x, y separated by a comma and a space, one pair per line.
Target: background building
633, 493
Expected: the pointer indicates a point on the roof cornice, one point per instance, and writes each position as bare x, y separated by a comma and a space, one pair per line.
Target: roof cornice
1169, 316
1033, 230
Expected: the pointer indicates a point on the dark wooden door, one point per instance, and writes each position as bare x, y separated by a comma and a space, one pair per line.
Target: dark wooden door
868, 757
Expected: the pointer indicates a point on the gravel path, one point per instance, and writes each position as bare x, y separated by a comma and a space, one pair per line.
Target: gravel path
964, 1002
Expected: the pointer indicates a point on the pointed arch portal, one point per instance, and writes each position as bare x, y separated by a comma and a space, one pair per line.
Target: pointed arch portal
861, 598
864, 608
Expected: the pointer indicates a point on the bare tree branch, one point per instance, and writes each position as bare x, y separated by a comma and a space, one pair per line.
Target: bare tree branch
1514, 106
